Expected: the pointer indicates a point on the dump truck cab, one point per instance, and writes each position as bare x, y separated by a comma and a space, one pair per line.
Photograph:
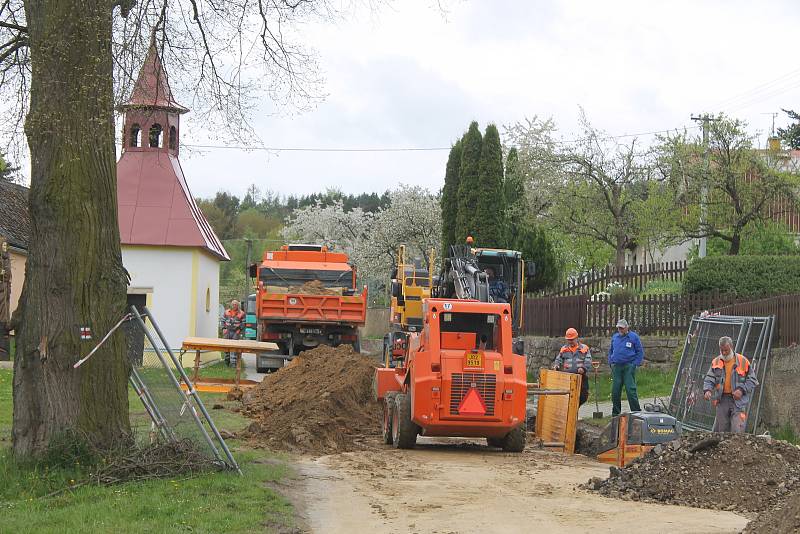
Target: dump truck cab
458, 377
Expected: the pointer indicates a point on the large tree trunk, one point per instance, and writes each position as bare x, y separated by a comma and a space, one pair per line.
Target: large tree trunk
74, 275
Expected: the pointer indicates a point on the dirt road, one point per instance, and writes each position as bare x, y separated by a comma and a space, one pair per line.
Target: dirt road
457, 486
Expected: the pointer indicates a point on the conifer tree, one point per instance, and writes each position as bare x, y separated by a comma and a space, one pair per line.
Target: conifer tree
449, 201
490, 214
514, 193
470, 192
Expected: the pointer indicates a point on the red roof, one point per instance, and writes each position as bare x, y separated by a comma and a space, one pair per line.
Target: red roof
152, 87
156, 206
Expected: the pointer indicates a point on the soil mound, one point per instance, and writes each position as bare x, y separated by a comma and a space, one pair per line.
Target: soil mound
322, 402
721, 471
783, 518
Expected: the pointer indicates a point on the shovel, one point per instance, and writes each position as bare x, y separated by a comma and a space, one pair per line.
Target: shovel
597, 414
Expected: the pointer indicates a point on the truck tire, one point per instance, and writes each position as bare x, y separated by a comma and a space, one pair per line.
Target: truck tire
514, 441
404, 431
357, 345
389, 410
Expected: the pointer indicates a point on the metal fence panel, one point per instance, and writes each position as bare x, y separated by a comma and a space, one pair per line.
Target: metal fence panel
177, 412
752, 337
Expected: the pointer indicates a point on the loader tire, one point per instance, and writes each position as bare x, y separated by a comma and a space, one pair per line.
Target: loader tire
514, 441
495, 442
404, 431
389, 411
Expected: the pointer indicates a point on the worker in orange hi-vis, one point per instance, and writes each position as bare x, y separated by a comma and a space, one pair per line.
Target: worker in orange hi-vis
729, 385
575, 357
232, 323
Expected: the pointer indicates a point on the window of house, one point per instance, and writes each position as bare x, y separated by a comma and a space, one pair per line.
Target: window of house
136, 132
155, 136
208, 299
173, 138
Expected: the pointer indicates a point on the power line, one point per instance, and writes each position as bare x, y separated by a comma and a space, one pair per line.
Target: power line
411, 149
318, 149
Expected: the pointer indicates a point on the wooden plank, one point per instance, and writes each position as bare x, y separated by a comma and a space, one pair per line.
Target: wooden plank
557, 416
227, 345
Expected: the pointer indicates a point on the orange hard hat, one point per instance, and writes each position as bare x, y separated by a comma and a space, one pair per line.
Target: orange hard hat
571, 333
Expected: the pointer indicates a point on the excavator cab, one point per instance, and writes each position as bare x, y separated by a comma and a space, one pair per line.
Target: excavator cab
510, 269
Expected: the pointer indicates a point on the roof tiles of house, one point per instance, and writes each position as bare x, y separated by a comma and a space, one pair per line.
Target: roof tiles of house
15, 221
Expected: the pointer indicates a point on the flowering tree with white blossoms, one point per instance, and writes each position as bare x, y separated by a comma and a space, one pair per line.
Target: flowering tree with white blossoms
413, 218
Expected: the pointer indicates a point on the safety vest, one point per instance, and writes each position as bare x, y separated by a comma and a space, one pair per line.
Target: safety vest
738, 374
570, 359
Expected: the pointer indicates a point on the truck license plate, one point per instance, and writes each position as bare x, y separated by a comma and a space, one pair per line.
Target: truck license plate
311, 330
475, 359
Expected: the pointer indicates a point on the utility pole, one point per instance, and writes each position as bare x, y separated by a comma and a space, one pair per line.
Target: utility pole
706, 119
247, 280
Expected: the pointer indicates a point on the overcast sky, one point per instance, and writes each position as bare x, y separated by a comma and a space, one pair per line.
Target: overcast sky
410, 76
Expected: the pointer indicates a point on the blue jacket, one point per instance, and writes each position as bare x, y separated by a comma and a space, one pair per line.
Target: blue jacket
626, 349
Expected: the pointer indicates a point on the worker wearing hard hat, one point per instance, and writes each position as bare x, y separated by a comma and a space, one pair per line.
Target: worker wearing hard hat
575, 357
729, 384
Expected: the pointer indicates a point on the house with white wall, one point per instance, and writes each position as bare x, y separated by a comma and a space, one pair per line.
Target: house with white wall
168, 247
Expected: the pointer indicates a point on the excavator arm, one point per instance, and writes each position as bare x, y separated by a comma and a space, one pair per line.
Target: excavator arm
462, 277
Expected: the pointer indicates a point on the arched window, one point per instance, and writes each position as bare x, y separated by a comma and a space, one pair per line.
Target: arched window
136, 132
155, 136
173, 138
208, 295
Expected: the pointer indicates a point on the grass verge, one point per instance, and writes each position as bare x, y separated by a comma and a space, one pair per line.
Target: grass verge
211, 502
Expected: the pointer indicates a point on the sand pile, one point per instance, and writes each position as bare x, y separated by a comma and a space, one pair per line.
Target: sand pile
721, 471
322, 402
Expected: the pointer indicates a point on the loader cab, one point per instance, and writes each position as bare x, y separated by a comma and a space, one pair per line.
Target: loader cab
456, 326
509, 267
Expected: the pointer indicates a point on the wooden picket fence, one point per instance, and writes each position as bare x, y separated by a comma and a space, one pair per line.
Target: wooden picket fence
632, 277
785, 308
659, 315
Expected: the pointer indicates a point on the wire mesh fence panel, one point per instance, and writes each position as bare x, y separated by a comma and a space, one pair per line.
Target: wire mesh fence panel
751, 337
170, 402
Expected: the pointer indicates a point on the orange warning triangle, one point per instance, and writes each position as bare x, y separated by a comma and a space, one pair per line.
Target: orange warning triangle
472, 404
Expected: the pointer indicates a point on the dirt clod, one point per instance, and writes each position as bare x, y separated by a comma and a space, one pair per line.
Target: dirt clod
234, 394
321, 403
783, 518
740, 473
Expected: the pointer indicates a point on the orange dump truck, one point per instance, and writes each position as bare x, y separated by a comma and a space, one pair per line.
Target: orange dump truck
458, 377
306, 296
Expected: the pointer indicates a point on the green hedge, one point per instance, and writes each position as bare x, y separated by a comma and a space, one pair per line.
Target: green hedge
744, 276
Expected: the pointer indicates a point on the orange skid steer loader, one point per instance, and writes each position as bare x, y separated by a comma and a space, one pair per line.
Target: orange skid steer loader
458, 377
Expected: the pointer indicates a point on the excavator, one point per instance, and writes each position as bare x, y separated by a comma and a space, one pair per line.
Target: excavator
460, 375
411, 285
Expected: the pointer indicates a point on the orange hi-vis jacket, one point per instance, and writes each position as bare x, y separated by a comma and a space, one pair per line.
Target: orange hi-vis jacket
570, 359
743, 377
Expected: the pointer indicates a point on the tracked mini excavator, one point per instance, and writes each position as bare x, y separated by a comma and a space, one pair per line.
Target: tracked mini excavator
459, 376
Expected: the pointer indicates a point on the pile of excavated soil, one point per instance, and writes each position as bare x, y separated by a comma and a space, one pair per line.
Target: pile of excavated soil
739, 473
322, 402
783, 518
314, 287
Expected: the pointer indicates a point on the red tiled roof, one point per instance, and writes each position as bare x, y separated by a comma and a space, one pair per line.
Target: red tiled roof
156, 206
152, 87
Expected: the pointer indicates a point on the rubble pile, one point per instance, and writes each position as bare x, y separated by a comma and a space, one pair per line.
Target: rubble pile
741, 473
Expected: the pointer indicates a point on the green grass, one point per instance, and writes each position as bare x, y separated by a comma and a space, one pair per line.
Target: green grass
602, 422
213, 502
649, 383
662, 287
786, 433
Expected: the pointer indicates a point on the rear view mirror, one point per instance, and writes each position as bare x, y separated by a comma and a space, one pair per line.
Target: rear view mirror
253, 270
530, 269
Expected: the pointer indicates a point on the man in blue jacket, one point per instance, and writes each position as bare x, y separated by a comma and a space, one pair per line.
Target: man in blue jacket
624, 355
